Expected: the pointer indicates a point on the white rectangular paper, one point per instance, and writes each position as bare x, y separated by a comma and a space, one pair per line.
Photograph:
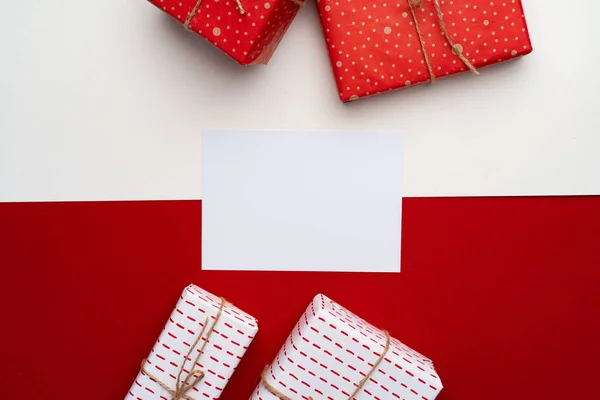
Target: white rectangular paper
301, 201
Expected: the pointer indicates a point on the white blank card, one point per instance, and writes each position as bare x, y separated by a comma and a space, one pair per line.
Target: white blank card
301, 201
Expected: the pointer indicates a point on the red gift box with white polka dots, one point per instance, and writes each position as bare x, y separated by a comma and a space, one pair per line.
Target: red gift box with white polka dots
247, 30
381, 45
333, 354
186, 331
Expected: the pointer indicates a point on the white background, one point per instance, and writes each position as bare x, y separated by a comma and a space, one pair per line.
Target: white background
107, 100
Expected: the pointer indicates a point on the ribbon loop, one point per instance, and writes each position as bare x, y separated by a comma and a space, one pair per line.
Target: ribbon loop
186, 385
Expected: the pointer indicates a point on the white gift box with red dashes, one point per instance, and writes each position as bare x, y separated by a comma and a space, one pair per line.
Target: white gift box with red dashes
232, 334
331, 350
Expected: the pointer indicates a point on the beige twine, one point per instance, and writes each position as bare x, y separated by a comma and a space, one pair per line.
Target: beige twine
240, 8
182, 387
456, 49
194, 11
274, 391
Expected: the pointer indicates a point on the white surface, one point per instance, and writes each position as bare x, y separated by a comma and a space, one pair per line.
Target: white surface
107, 99
301, 201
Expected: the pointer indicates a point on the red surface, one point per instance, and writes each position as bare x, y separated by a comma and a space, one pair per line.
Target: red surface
502, 293
375, 47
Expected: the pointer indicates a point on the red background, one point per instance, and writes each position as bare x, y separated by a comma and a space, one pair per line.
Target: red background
502, 293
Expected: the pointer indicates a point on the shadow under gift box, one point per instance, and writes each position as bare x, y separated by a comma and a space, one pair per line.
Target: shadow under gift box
331, 351
249, 31
380, 45
188, 328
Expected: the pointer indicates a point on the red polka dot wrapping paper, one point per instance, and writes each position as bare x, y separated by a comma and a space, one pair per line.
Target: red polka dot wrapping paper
374, 46
331, 350
231, 336
249, 38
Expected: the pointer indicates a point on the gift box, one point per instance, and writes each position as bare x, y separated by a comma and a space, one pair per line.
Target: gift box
333, 354
247, 30
197, 351
380, 45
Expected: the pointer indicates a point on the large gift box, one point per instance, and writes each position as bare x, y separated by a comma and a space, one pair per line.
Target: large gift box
247, 30
333, 354
380, 45
197, 351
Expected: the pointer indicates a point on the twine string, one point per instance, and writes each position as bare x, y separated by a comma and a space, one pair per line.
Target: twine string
456, 48
191, 15
420, 35
240, 8
194, 11
375, 366
272, 389
195, 376
276, 392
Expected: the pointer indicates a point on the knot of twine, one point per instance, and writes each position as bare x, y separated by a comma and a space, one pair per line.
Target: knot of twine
274, 391
456, 48
195, 376
239, 7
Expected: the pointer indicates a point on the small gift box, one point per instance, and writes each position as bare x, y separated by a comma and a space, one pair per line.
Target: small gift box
380, 45
197, 351
248, 30
333, 354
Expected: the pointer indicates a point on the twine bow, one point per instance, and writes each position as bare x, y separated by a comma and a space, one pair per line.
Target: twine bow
274, 391
196, 375
240, 8
456, 48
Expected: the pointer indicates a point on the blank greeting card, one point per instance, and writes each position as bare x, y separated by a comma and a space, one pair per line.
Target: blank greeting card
301, 201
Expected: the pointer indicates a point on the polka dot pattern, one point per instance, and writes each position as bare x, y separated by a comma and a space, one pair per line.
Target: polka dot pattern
250, 38
374, 46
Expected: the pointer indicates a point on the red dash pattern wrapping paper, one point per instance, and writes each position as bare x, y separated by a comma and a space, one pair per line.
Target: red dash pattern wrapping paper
250, 38
331, 350
227, 344
374, 46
